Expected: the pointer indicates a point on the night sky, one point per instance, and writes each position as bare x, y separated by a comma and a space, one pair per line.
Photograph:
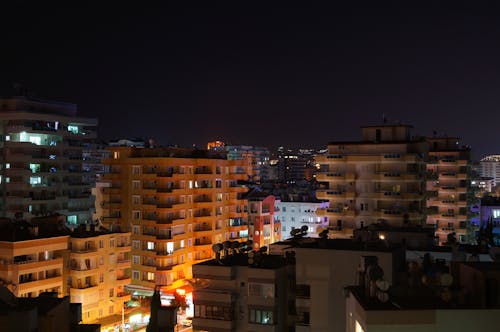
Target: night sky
249, 73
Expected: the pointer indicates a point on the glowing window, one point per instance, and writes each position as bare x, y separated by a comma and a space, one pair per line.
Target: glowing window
35, 180
72, 219
73, 129
496, 213
150, 245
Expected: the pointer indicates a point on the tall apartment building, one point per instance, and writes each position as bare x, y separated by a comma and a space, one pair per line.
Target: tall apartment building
177, 203
490, 167
99, 270
380, 179
448, 174
31, 263
41, 159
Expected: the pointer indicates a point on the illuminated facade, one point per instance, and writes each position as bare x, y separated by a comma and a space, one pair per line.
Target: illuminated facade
293, 214
490, 167
263, 228
177, 203
34, 265
99, 269
41, 159
448, 174
380, 179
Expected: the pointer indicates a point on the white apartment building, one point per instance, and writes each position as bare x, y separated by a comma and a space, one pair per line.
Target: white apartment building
297, 214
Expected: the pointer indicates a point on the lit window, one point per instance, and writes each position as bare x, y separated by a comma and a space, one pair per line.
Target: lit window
7, 165
7, 137
151, 276
116, 155
35, 140
34, 180
73, 129
35, 168
150, 245
72, 220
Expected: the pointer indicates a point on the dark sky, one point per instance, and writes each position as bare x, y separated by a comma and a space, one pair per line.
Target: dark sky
249, 73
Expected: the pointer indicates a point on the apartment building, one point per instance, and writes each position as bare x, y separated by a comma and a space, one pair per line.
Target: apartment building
448, 187
177, 203
41, 159
263, 228
244, 293
30, 263
380, 179
99, 269
489, 166
295, 214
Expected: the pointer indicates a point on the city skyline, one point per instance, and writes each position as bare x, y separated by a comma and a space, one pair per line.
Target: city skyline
298, 77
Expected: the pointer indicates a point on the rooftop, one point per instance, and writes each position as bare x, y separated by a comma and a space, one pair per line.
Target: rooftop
338, 244
241, 259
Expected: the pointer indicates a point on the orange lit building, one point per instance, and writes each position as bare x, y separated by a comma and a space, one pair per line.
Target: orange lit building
33, 265
177, 203
99, 270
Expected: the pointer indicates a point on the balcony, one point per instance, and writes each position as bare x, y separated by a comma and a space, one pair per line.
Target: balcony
50, 282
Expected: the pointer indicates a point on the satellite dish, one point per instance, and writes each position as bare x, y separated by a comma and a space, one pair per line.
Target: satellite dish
383, 296
446, 295
304, 228
383, 285
235, 244
226, 244
263, 249
249, 243
251, 254
217, 247
250, 261
446, 279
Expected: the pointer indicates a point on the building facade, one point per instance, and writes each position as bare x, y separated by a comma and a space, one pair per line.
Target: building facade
380, 179
99, 270
241, 296
41, 159
33, 265
490, 167
177, 203
294, 215
448, 187
263, 228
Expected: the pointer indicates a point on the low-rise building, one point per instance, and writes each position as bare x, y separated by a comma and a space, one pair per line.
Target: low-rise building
243, 292
31, 263
323, 268
467, 300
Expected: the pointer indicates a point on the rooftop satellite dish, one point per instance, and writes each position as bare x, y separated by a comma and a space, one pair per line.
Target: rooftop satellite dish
263, 249
446, 280
446, 295
217, 248
304, 228
226, 244
383, 296
251, 254
383, 285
